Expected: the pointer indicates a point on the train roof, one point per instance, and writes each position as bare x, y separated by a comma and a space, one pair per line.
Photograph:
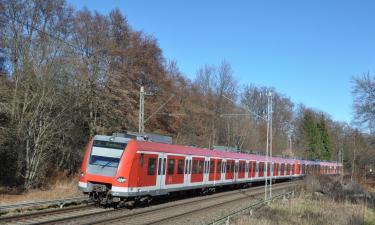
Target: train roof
178, 149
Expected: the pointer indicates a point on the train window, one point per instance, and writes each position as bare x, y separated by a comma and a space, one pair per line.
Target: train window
228, 167
218, 167
164, 165
159, 166
223, 168
207, 166
170, 166
212, 166
257, 167
141, 159
151, 166
200, 166
186, 167
195, 167
240, 167
180, 166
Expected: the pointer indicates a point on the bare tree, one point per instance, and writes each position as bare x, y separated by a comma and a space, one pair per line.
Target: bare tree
363, 92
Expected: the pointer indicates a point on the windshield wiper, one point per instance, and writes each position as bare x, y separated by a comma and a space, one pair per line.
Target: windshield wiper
107, 164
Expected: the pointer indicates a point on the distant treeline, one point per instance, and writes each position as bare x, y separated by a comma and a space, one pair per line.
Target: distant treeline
66, 75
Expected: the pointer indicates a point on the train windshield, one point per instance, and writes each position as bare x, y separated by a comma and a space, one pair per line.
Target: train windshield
106, 153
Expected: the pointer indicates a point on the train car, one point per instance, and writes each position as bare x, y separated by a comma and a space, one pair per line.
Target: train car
120, 170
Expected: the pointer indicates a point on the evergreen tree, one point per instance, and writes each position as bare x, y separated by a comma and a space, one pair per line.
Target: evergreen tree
326, 150
312, 135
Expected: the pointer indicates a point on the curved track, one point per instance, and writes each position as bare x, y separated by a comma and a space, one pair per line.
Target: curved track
160, 213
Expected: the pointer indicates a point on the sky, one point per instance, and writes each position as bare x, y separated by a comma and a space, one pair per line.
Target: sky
307, 50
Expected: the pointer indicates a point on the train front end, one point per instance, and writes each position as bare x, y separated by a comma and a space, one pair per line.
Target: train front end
103, 170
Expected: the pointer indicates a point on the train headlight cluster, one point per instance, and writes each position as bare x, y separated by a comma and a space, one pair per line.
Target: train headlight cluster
121, 179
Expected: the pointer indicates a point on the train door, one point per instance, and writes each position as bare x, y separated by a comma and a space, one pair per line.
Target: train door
162, 162
211, 173
187, 170
247, 174
206, 170
218, 170
236, 170
252, 169
229, 175
223, 169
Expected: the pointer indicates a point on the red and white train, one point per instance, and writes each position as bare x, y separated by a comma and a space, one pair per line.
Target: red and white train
122, 170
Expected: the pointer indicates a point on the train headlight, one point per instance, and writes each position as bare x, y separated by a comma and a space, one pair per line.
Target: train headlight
82, 174
121, 179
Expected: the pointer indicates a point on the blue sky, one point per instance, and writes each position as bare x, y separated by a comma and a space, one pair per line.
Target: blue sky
307, 50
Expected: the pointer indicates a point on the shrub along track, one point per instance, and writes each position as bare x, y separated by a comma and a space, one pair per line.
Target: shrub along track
157, 213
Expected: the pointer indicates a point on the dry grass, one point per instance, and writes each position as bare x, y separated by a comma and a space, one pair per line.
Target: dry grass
62, 188
322, 200
306, 210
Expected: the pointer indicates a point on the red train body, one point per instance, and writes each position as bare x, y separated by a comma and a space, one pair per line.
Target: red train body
118, 169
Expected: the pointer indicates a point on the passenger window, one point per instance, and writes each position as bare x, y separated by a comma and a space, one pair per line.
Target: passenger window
200, 166
212, 166
170, 166
186, 166
151, 166
159, 166
164, 165
218, 167
180, 166
195, 167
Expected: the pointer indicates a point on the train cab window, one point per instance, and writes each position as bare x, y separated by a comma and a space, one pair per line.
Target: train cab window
200, 166
170, 166
180, 166
151, 166
212, 166
218, 167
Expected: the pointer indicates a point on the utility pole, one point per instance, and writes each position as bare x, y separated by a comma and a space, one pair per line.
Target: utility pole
141, 118
267, 147
270, 122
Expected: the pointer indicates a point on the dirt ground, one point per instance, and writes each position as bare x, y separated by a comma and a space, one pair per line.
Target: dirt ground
61, 189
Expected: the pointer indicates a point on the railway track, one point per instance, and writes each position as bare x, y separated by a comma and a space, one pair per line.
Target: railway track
36, 204
150, 215
174, 212
48, 214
